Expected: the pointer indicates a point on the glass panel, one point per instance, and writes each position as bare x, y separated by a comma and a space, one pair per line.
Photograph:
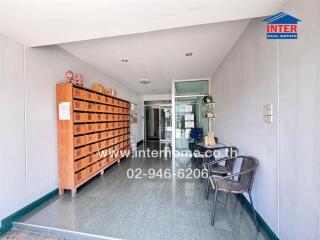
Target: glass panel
186, 118
165, 123
188, 115
188, 88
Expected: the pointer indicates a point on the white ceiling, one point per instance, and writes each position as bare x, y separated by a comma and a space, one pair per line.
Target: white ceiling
46, 22
160, 56
153, 35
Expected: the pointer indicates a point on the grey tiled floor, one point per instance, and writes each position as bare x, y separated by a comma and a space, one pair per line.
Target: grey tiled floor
22, 235
114, 206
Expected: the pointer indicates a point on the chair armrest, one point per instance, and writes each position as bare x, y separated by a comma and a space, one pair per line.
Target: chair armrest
210, 164
224, 159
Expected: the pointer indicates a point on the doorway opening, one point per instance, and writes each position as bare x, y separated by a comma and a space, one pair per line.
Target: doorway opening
158, 121
152, 123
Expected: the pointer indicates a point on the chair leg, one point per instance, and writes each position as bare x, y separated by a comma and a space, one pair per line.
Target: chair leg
254, 212
214, 206
201, 169
207, 187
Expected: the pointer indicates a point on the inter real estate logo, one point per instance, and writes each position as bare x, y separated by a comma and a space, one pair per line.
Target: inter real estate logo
282, 26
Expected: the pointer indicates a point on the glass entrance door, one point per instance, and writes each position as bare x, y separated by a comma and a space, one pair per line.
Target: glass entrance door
186, 119
188, 113
165, 123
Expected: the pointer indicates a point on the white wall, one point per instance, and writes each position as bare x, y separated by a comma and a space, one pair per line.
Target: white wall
259, 71
246, 80
28, 127
12, 128
299, 67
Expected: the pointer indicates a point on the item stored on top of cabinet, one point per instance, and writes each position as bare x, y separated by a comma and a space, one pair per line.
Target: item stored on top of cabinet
99, 88
69, 76
93, 133
113, 92
79, 80
107, 91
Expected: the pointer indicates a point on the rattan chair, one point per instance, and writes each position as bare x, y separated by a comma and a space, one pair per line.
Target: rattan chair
242, 184
214, 168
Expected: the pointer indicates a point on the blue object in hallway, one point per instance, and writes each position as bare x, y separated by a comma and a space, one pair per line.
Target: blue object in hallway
196, 133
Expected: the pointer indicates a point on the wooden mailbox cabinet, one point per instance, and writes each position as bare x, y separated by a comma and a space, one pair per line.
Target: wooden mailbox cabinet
93, 133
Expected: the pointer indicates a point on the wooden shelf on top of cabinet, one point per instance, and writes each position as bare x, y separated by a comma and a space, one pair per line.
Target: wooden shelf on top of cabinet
96, 136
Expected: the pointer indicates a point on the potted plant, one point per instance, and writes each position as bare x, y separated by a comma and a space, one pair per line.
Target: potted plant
208, 111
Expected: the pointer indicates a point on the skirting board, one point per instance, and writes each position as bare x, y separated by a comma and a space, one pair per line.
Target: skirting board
6, 223
139, 143
261, 222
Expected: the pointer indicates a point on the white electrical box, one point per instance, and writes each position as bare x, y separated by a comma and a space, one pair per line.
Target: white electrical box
267, 119
267, 113
267, 110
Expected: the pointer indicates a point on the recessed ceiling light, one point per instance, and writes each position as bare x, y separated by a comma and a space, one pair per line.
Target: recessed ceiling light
144, 81
124, 60
189, 54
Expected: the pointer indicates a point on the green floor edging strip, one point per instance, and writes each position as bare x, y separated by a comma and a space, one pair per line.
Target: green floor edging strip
6, 223
261, 222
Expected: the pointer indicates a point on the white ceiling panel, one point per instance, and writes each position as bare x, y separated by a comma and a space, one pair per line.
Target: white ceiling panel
46, 22
160, 56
